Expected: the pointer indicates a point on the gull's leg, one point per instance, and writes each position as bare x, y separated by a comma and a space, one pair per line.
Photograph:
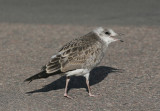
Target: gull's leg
65, 92
87, 82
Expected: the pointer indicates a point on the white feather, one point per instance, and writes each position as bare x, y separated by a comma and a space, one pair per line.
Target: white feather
59, 53
87, 76
112, 32
106, 38
77, 72
53, 56
98, 30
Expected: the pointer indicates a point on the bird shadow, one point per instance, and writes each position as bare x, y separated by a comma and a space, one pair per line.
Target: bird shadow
96, 75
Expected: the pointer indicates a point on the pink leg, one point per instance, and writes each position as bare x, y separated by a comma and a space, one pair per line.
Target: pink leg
89, 89
65, 93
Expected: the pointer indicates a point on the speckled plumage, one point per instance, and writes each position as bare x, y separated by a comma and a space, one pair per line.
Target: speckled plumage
78, 57
81, 53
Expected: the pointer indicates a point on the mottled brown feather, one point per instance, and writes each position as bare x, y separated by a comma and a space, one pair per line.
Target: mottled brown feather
82, 52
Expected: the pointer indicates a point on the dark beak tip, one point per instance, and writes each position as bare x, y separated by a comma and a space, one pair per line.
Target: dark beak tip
121, 40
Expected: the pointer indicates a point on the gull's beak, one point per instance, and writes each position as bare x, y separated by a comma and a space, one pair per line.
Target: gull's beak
115, 39
120, 34
113, 34
118, 40
121, 40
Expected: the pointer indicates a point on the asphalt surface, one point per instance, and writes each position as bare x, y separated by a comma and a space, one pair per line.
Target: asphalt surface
126, 80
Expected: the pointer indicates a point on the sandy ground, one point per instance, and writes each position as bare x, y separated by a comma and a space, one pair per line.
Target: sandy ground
31, 32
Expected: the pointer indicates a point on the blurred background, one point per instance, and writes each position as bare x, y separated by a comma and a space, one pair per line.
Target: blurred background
81, 12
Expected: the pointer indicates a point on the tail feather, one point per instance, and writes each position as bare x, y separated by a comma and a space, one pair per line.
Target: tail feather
53, 65
52, 68
40, 75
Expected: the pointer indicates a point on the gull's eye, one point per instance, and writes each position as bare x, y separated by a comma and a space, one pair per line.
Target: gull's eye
107, 33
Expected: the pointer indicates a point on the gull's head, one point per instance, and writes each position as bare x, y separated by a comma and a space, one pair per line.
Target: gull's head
108, 35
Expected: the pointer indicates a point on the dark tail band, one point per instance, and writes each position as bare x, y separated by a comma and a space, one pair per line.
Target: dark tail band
40, 75
37, 76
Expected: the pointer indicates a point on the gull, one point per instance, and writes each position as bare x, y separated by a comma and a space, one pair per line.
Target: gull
78, 57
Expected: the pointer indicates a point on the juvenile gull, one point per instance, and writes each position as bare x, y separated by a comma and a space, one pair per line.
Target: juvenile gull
79, 56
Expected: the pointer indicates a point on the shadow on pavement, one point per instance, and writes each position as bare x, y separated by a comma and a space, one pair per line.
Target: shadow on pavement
96, 76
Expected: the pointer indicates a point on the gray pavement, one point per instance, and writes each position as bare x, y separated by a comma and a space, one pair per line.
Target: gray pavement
32, 31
